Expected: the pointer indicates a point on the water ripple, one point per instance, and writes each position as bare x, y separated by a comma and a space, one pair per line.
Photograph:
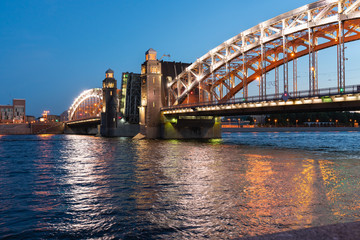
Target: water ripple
67, 187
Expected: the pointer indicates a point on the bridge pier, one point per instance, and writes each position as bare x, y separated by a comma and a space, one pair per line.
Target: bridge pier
80, 128
191, 127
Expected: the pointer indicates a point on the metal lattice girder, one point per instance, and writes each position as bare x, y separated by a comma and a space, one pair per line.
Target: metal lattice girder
286, 38
95, 93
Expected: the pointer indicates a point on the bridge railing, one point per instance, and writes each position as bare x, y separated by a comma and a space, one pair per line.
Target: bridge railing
324, 92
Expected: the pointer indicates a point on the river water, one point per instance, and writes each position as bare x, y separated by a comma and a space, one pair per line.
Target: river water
247, 184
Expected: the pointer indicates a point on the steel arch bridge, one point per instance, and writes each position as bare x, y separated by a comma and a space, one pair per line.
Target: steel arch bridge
220, 75
87, 105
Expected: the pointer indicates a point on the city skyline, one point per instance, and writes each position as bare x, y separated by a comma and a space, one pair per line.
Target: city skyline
54, 50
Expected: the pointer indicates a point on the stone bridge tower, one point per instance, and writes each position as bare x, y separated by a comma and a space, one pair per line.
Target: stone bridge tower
154, 76
152, 96
110, 105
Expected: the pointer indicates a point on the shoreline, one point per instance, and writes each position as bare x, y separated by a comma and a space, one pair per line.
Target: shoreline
292, 129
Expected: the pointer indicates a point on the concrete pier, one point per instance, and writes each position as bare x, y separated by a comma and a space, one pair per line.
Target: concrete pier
191, 128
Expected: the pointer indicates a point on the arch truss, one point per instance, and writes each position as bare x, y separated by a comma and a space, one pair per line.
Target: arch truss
87, 105
229, 68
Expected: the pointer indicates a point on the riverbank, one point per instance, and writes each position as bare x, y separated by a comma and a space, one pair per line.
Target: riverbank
31, 128
349, 231
292, 129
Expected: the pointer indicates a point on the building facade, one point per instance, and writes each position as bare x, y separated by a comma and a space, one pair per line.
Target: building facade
13, 113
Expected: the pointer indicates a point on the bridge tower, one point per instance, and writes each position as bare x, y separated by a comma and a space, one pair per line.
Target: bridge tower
155, 75
152, 96
110, 105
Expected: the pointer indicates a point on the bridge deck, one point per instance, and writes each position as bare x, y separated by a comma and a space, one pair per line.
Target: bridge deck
326, 100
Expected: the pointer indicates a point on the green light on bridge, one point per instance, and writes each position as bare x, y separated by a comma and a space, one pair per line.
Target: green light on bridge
326, 99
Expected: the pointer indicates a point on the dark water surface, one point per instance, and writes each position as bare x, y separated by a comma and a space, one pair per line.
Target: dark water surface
247, 184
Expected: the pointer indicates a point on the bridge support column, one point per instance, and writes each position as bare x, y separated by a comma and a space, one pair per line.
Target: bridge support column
285, 65
341, 58
190, 127
245, 73
295, 77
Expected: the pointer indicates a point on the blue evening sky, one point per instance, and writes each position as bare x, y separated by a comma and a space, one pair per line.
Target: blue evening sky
52, 50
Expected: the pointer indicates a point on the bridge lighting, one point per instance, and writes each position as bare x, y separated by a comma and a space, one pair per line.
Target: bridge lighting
292, 54
341, 90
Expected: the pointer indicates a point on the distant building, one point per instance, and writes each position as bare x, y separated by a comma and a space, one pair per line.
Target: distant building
53, 118
13, 113
30, 119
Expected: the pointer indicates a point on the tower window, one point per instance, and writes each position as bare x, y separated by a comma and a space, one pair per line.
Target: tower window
153, 70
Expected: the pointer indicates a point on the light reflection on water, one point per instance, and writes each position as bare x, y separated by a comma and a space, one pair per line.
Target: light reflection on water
62, 186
